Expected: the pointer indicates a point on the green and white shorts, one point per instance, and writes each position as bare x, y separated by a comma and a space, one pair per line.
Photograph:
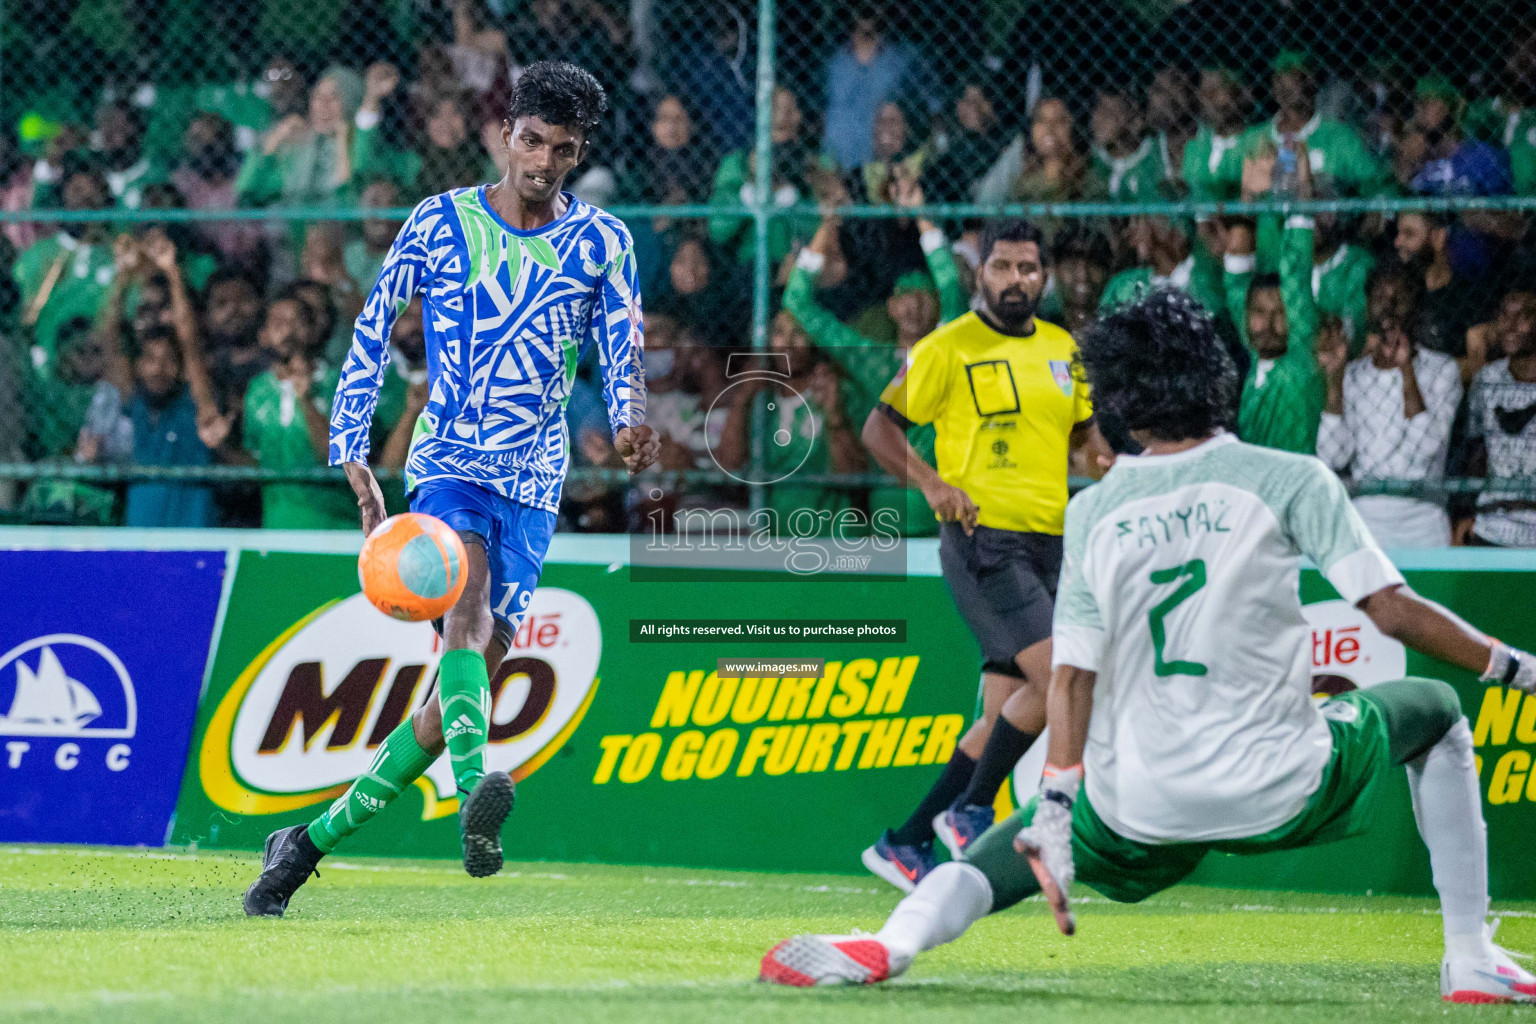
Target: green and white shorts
1373, 730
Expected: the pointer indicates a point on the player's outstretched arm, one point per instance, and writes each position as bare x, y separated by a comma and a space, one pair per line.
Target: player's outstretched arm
407, 268
1329, 531
1432, 629
616, 329
1047, 840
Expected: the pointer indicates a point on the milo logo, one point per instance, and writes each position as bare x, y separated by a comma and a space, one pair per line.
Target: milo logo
309, 713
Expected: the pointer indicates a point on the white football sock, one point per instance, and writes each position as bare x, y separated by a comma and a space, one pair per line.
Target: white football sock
1449, 811
949, 900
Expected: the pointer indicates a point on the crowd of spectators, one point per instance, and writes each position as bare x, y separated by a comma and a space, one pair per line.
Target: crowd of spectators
1397, 348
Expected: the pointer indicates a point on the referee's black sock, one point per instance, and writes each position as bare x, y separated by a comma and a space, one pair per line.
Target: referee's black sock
919, 828
1004, 748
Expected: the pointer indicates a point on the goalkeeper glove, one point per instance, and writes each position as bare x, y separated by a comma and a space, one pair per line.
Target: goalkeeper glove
1047, 840
1511, 667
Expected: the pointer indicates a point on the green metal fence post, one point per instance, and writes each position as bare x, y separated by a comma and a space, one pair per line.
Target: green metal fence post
762, 212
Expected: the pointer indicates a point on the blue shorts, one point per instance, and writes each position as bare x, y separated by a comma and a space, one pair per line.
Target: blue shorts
516, 538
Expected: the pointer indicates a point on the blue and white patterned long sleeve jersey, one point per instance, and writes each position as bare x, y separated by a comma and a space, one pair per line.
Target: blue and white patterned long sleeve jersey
507, 314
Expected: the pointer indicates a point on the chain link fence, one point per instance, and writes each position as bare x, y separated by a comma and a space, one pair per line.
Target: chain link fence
1350, 180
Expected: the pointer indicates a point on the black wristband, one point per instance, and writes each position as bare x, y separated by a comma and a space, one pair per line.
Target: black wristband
1513, 668
1057, 796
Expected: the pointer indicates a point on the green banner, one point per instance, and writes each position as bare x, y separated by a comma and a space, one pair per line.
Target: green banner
1391, 857
625, 751
631, 750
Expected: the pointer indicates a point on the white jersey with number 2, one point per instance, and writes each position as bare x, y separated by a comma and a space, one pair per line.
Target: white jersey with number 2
1179, 589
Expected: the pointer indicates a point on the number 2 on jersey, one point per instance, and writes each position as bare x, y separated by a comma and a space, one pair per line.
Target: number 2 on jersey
1192, 573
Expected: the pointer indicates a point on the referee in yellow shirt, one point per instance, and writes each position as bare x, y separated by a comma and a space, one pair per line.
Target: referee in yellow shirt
1009, 411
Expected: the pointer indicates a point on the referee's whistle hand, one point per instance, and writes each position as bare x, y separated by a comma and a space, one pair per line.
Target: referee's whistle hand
953, 505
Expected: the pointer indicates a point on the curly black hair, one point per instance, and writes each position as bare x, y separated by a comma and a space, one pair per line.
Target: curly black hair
1158, 365
558, 94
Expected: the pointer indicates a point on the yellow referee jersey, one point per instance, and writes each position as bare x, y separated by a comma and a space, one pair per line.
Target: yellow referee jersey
1003, 409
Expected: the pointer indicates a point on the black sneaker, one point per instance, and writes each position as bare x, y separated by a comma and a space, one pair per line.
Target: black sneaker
480, 819
289, 860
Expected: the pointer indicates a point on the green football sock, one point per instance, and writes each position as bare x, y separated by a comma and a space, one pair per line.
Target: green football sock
399, 762
464, 687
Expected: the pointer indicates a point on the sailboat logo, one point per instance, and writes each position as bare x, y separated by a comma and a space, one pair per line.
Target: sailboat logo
49, 699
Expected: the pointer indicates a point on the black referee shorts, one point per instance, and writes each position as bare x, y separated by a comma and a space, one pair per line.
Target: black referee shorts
1004, 583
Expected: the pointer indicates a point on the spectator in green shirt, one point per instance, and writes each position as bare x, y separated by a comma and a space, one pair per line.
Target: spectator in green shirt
1339, 272
1213, 159
448, 155
1171, 115
250, 106
918, 303
1508, 119
1285, 390
308, 160
1080, 262
65, 275
1124, 158
56, 405
1338, 158
797, 167
1165, 250
286, 424
116, 147
809, 431
57, 399
1335, 151
119, 138
283, 430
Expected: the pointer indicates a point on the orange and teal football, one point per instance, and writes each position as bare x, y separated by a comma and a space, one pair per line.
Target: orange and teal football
412, 567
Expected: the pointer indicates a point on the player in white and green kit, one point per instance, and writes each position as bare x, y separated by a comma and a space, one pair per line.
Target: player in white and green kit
1180, 709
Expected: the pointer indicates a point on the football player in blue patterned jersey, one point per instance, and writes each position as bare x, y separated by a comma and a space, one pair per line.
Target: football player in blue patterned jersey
515, 278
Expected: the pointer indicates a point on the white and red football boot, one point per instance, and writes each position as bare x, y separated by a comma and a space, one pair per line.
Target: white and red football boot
808, 960
1491, 976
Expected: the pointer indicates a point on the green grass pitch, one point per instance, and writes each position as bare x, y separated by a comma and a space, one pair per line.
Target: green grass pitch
102, 935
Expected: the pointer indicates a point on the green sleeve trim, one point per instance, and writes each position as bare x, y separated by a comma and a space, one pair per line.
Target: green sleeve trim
825, 329
371, 157
728, 181
366, 147
1236, 286
1197, 175
953, 302
1296, 253
261, 178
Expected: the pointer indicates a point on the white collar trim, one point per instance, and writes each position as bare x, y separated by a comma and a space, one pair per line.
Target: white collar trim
1220, 439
